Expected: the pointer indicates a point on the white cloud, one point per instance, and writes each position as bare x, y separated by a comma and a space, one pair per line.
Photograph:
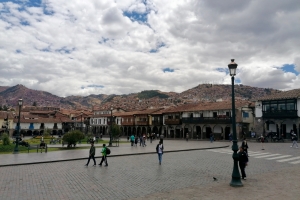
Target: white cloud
93, 43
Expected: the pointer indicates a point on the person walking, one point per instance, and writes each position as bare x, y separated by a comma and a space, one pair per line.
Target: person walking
104, 157
211, 137
245, 146
141, 140
136, 140
160, 151
92, 154
132, 139
294, 139
187, 137
144, 141
243, 161
162, 138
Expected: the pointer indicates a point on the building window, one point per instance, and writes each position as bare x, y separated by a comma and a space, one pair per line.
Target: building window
245, 114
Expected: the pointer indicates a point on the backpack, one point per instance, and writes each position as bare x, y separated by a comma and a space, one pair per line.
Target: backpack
107, 151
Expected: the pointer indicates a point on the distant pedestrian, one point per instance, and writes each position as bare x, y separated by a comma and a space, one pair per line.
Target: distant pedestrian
262, 140
160, 151
211, 137
187, 137
230, 137
92, 154
243, 162
132, 139
151, 137
245, 146
136, 140
144, 141
141, 140
157, 136
104, 157
294, 139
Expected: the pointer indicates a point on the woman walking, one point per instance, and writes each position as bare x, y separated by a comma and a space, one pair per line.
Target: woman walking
160, 151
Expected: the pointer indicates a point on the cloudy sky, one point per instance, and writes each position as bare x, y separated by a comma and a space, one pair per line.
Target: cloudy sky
77, 47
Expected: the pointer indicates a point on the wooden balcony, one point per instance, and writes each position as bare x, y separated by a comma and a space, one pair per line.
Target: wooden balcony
157, 123
127, 123
206, 120
142, 123
172, 121
280, 114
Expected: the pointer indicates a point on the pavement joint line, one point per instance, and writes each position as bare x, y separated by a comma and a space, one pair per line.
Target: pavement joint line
119, 155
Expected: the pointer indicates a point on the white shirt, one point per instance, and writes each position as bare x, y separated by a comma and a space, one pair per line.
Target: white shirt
160, 148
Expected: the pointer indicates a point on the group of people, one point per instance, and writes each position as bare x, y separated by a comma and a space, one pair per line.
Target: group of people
93, 152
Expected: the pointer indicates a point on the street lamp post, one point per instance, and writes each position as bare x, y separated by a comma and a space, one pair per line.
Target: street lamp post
110, 134
236, 178
16, 150
81, 122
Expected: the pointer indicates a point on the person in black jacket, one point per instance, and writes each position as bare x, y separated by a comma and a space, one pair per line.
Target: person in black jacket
243, 160
245, 146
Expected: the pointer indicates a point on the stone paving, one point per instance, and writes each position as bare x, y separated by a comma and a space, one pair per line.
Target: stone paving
182, 175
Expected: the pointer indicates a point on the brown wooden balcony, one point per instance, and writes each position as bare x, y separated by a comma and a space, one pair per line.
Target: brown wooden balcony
142, 123
127, 123
172, 121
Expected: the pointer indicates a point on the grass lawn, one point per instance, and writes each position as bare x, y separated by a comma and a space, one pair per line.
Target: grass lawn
8, 149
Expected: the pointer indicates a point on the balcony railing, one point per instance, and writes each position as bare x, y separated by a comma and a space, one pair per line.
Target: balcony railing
172, 121
211, 120
280, 114
127, 123
156, 123
142, 123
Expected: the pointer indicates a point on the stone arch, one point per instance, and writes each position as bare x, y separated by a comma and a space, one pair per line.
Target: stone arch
218, 132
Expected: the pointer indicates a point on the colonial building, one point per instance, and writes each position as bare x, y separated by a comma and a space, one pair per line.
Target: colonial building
278, 113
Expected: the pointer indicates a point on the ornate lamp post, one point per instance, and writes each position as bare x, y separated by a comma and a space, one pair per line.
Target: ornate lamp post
110, 134
16, 150
236, 178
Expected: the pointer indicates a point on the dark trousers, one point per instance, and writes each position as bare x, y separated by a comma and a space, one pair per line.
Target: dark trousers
242, 168
104, 159
93, 157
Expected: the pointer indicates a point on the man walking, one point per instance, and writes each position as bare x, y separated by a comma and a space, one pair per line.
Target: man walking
92, 154
104, 158
160, 151
243, 160
294, 139
187, 137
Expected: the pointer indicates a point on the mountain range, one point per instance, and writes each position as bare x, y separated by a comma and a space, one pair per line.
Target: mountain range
134, 101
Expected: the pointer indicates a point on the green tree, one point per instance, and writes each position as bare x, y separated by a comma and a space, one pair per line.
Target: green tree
116, 131
5, 139
72, 137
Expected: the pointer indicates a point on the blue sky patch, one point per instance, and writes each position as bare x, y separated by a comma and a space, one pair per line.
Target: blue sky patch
168, 70
65, 50
289, 68
237, 80
135, 16
157, 48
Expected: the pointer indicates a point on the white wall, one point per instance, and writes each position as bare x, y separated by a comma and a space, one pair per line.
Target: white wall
258, 109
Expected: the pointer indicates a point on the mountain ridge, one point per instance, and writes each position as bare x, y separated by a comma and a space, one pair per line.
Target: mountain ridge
133, 101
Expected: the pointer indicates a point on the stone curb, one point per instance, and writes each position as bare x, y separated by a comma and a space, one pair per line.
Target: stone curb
130, 154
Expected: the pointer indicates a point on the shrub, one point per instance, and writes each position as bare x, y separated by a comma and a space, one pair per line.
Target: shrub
5, 139
72, 137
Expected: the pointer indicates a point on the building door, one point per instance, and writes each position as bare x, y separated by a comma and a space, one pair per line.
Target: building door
208, 132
